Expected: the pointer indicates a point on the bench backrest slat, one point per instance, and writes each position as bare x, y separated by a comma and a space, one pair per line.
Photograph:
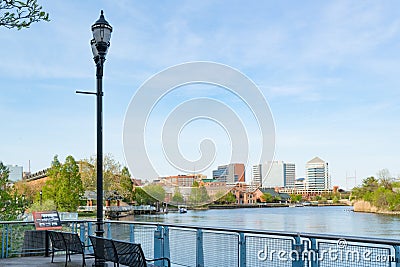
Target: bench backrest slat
130, 254
57, 240
109, 252
73, 242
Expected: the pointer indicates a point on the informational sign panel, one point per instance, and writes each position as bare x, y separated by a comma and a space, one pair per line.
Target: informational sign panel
46, 220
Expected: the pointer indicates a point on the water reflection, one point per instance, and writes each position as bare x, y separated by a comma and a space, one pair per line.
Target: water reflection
333, 220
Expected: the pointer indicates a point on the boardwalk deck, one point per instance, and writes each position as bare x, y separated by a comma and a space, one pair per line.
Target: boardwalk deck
40, 261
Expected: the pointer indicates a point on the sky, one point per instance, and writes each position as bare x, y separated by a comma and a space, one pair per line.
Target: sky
329, 71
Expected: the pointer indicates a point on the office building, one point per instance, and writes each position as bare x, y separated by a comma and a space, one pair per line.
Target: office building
16, 173
281, 174
257, 174
230, 174
317, 175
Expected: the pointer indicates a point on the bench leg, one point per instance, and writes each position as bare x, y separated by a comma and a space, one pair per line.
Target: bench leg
52, 255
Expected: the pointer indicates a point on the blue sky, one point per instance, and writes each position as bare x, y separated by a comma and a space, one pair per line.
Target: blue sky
328, 69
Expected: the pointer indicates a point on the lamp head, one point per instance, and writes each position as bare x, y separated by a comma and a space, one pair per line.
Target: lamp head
101, 30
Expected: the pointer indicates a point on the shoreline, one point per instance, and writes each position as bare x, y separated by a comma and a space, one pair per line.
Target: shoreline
366, 207
273, 205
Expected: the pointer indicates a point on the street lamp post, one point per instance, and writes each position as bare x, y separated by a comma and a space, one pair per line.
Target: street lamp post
41, 193
101, 41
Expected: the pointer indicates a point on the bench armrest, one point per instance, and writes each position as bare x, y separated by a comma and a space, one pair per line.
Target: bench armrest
159, 259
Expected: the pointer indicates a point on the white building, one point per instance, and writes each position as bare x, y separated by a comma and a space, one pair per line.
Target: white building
257, 174
281, 174
16, 173
290, 174
317, 175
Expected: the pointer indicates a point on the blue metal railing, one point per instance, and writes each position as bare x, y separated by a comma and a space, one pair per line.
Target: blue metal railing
196, 246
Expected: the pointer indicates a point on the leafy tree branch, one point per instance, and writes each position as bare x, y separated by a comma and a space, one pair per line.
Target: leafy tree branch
21, 14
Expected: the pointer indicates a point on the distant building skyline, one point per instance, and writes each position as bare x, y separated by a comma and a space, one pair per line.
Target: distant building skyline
317, 174
257, 174
231, 173
281, 174
16, 172
185, 180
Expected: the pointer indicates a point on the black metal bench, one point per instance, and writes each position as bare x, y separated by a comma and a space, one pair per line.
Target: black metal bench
70, 243
108, 253
122, 252
57, 244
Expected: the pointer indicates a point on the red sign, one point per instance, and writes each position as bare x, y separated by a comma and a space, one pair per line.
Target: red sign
46, 220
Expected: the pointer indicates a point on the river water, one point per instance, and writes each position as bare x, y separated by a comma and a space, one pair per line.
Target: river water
327, 220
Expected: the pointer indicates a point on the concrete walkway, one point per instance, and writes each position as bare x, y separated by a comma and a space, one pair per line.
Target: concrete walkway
40, 261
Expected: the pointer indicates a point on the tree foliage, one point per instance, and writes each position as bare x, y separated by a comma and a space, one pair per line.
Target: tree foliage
64, 186
228, 198
156, 191
198, 195
177, 197
295, 198
267, 197
116, 180
126, 185
44, 206
21, 14
12, 204
382, 193
141, 197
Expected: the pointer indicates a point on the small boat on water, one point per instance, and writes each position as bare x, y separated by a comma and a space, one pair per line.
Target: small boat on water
182, 209
296, 205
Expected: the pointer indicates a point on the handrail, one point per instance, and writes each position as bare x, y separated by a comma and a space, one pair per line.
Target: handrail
361, 239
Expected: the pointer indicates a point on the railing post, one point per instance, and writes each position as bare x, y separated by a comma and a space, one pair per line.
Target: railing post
242, 250
199, 249
312, 255
109, 235
72, 227
166, 252
297, 253
397, 255
3, 240
158, 253
7, 235
82, 232
132, 233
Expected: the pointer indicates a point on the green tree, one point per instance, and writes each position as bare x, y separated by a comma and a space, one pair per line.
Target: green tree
126, 185
141, 197
45, 206
295, 198
267, 197
365, 191
71, 189
198, 195
382, 192
156, 191
12, 204
64, 186
88, 174
49, 190
228, 198
116, 180
177, 197
21, 14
